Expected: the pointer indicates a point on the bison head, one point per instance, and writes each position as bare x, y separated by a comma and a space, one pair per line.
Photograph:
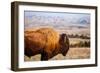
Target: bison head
64, 44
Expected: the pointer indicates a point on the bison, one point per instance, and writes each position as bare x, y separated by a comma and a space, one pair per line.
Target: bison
45, 41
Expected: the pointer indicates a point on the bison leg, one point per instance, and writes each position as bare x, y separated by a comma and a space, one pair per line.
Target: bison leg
45, 56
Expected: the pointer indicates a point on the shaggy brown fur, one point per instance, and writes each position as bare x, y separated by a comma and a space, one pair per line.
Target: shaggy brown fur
45, 41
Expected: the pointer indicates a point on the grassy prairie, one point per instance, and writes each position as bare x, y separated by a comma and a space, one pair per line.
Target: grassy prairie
77, 40
78, 53
73, 53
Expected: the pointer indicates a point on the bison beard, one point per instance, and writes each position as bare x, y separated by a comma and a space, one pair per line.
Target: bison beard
45, 41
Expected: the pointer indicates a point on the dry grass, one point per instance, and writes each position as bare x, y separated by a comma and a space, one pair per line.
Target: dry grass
73, 53
78, 53
77, 40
